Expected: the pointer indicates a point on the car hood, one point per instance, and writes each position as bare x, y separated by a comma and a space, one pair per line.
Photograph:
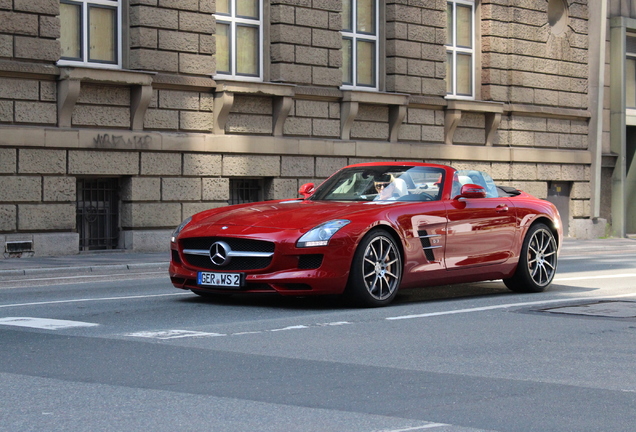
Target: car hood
297, 214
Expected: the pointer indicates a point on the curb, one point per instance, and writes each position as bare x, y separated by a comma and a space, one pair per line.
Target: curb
85, 269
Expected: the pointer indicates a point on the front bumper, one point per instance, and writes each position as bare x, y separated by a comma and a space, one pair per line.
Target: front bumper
286, 274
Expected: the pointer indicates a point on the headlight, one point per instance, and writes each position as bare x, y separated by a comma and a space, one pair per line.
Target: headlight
320, 235
177, 230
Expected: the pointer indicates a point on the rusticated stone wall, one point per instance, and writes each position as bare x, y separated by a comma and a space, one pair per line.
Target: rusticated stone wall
175, 138
172, 36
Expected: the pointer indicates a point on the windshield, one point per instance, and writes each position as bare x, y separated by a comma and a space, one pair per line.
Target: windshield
382, 183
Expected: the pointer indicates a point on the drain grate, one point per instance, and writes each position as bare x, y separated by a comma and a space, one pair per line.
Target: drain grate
605, 309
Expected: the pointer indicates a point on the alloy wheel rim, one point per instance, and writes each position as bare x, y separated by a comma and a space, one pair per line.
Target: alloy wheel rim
542, 255
381, 268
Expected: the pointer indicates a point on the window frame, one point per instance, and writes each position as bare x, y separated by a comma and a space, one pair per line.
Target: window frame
353, 35
84, 59
233, 21
454, 50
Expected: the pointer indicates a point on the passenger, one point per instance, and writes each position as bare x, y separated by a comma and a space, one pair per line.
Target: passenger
390, 187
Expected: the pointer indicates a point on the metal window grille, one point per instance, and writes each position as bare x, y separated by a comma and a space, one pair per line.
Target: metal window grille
98, 213
245, 191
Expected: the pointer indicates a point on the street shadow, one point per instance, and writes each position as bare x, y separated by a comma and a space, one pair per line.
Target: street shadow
405, 296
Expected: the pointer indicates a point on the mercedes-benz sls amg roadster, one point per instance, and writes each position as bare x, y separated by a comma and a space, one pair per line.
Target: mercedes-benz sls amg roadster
369, 230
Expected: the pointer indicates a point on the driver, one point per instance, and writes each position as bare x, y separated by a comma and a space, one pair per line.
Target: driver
389, 187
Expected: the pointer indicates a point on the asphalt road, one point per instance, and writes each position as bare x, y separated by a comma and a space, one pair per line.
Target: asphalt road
124, 351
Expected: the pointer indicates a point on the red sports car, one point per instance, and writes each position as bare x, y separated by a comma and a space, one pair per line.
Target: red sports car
368, 230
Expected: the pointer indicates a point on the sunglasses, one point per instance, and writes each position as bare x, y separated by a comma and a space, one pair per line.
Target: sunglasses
380, 185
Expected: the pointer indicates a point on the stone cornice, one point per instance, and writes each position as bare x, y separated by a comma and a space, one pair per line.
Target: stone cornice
546, 111
17, 69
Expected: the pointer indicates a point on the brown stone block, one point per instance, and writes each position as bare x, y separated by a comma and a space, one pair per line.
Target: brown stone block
106, 116
8, 217
39, 161
59, 189
18, 23
37, 48
181, 189
154, 163
198, 164
198, 64
103, 162
46, 217
216, 189
251, 165
195, 121
47, 7
144, 59
154, 17
196, 22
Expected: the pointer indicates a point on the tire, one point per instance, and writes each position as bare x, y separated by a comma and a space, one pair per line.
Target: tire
537, 261
376, 271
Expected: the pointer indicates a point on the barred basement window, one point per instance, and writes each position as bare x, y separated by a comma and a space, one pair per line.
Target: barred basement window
245, 191
98, 213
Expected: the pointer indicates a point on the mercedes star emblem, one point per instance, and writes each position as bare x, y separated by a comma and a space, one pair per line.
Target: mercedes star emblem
220, 253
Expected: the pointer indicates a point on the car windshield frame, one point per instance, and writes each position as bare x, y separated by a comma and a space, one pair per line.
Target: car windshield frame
402, 182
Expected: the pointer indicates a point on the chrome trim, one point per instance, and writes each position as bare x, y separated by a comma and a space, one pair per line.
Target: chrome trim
206, 252
430, 236
431, 247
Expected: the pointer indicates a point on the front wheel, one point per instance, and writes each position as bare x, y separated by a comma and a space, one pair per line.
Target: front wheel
376, 271
537, 261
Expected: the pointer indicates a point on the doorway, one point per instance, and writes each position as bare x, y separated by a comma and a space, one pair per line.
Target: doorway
559, 195
630, 180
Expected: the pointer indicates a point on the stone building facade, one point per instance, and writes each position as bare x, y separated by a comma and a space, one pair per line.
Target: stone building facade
109, 142
613, 107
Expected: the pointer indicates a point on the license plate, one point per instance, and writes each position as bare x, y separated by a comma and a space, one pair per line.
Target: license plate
224, 280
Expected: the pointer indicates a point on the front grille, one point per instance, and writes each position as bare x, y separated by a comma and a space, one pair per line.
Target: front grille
237, 245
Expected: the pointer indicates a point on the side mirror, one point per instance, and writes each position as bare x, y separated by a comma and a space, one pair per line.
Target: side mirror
306, 190
472, 191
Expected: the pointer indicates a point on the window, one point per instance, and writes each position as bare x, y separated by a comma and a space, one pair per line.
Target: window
239, 36
460, 51
98, 213
245, 191
90, 32
360, 44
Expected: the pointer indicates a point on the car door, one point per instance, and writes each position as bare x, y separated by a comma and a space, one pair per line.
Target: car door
480, 231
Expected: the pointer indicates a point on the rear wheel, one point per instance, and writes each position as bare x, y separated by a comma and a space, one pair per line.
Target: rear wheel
537, 261
376, 270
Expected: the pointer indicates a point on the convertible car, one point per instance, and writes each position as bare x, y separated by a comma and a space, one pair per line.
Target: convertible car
369, 230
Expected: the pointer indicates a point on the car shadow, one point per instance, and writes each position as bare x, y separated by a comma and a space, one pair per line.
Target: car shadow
405, 296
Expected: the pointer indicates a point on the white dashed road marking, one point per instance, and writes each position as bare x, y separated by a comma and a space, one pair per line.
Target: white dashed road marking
43, 323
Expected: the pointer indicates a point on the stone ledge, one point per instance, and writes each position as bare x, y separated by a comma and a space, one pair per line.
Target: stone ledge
256, 88
18, 69
178, 82
69, 87
455, 108
96, 139
106, 76
547, 112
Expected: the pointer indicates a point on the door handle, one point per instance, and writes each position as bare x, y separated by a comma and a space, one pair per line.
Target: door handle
502, 208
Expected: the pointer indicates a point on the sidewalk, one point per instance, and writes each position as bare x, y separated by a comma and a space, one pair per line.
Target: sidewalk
136, 261
85, 262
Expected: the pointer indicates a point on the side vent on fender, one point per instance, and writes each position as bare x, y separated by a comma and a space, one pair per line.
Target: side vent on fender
425, 239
